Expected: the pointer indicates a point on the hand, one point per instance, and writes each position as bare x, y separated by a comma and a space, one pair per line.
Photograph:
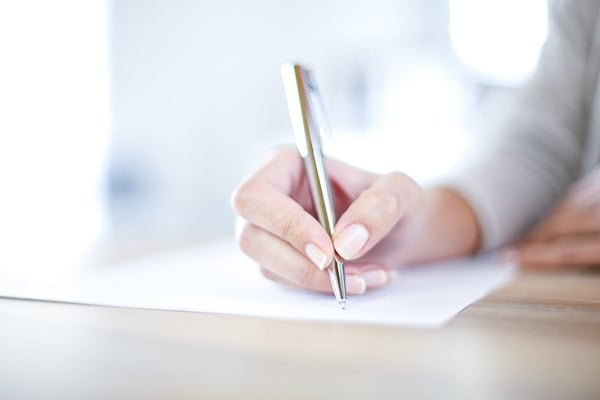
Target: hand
278, 228
570, 234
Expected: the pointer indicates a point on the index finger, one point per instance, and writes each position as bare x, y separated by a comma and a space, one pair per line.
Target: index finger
273, 200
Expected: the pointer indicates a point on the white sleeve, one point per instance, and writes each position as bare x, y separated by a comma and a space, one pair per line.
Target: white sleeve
538, 151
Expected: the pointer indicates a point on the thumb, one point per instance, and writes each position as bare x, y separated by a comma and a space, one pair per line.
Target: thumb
374, 213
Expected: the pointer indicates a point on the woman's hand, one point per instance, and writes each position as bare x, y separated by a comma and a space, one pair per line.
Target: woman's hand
570, 234
278, 228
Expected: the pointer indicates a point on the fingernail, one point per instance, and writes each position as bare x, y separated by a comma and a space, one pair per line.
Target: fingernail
375, 278
355, 284
351, 241
316, 255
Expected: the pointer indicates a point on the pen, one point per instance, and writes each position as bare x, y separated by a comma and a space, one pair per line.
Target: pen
303, 104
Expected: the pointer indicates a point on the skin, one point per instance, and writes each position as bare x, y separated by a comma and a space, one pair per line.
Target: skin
569, 236
392, 221
388, 218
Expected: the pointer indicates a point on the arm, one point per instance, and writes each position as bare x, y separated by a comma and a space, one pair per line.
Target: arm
539, 147
386, 220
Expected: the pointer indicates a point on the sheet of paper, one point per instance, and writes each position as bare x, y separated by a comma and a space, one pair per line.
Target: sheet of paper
217, 278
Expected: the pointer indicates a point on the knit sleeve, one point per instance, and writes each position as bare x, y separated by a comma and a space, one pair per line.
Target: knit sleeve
539, 145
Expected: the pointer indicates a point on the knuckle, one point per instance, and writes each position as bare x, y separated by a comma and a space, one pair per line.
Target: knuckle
241, 198
284, 152
398, 178
383, 202
246, 238
305, 276
410, 188
266, 273
289, 226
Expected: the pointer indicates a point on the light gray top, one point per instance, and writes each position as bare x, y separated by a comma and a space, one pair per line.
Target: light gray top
551, 136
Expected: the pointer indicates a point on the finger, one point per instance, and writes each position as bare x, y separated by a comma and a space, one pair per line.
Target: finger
264, 201
374, 276
576, 213
566, 220
374, 213
285, 262
548, 229
347, 179
276, 278
569, 251
284, 170
586, 191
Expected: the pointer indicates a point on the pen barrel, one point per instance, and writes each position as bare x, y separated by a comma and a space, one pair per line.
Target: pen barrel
320, 189
299, 87
322, 200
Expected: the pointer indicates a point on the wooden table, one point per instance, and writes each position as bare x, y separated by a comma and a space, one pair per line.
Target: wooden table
539, 337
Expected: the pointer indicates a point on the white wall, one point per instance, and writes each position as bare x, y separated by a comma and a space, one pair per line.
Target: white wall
54, 126
197, 95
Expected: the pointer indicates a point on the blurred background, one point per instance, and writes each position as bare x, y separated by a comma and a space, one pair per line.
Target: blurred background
125, 125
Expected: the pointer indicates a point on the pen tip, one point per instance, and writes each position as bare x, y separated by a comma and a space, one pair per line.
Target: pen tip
343, 304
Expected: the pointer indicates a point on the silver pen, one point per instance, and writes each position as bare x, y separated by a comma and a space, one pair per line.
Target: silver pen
306, 113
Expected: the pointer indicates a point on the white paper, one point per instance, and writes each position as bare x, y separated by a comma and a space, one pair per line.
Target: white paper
217, 278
